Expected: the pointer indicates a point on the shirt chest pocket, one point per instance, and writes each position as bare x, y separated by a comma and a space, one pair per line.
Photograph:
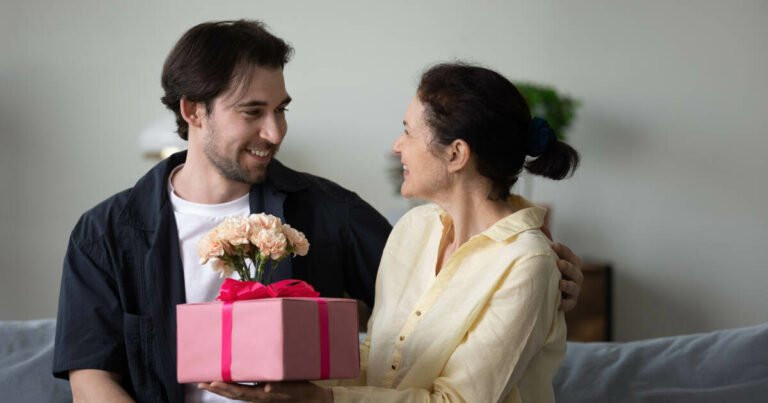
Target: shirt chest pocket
139, 348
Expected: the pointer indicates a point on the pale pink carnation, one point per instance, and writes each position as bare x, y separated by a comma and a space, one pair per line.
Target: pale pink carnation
209, 247
271, 243
264, 221
297, 240
224, 268
234, 231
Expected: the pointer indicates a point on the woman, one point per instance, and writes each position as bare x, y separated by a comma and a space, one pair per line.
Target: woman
467, 292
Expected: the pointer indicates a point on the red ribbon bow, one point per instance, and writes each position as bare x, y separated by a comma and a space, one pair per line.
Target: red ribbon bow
234, 290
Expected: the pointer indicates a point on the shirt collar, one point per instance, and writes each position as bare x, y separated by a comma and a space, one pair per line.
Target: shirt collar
528, 216
150, 194
285, 179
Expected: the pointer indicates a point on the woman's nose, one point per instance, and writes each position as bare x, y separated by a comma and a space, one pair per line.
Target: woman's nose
396, 145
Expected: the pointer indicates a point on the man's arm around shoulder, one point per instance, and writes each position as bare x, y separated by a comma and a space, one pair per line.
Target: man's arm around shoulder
94, 385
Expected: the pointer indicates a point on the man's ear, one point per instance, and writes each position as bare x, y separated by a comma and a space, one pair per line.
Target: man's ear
192, 112
458, 154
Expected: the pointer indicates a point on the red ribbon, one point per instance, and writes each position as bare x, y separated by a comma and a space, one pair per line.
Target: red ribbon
234, 290
226, 342
325, 339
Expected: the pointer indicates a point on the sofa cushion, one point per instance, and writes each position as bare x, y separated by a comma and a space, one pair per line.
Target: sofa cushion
26, 359
726, 365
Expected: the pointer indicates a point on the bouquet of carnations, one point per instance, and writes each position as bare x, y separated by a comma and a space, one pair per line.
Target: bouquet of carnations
245, 244
257, 332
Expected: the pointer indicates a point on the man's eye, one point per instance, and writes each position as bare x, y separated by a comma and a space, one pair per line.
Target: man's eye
282, 109
253, 112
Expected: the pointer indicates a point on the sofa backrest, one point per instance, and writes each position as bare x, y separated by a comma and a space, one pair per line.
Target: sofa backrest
722, 366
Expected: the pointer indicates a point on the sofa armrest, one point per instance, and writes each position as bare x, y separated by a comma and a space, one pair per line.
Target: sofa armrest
26, 359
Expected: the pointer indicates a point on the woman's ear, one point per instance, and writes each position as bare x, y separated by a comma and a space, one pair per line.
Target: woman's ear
458, 155
192, 112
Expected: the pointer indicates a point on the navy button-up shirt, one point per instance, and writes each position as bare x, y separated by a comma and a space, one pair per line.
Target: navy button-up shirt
123, 275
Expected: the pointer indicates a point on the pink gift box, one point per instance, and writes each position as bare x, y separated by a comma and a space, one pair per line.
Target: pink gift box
271, 339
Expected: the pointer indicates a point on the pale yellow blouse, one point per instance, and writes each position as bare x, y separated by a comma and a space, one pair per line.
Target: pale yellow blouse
485, 329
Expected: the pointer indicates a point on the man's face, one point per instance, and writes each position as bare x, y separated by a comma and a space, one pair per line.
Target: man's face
246, 125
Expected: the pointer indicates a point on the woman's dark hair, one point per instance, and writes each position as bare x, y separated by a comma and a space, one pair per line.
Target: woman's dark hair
215, 56
483, 108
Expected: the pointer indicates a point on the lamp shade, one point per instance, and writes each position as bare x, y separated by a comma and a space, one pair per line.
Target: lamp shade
159, 139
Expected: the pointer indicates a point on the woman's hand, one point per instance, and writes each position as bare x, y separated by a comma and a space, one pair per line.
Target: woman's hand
570, 267
271, 392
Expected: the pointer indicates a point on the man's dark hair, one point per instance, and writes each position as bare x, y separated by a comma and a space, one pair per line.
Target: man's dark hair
213, 57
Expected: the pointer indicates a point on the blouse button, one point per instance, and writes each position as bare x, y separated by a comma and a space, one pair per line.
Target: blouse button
402, 338
394, 366
418, 313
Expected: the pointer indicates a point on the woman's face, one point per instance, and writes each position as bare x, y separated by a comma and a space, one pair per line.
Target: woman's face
424, 173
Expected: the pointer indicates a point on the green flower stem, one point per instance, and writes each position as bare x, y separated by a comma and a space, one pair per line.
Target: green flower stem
260, 268
275, 263
242, 267
247, 261
246, 269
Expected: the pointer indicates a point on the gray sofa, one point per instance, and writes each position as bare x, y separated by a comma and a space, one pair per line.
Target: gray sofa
26, 356
727, 366
723, 366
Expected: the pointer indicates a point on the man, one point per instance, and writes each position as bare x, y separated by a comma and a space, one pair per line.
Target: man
132, 258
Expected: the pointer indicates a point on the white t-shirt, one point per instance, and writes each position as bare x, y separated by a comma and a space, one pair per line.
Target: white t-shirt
201, 283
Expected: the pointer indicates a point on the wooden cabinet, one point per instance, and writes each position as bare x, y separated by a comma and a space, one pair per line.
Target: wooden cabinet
591, 319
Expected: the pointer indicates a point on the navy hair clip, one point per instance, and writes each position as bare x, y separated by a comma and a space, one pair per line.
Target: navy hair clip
540, 137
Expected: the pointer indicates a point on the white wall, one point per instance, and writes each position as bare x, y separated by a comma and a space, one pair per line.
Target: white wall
672, 129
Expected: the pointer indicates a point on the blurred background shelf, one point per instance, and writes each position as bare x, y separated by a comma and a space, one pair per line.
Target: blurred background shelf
591, 319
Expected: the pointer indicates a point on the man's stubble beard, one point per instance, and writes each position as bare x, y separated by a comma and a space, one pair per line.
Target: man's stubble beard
229, 167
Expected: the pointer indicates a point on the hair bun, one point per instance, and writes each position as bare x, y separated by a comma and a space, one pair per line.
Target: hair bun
540, 137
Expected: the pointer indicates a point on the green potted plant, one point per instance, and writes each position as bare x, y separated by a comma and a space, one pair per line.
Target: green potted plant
559, 111
545, 102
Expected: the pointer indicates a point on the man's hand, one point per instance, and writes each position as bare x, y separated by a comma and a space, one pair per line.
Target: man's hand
93, 385
271, 392
570, 267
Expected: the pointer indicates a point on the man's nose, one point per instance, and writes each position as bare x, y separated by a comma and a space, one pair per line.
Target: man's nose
270, 130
